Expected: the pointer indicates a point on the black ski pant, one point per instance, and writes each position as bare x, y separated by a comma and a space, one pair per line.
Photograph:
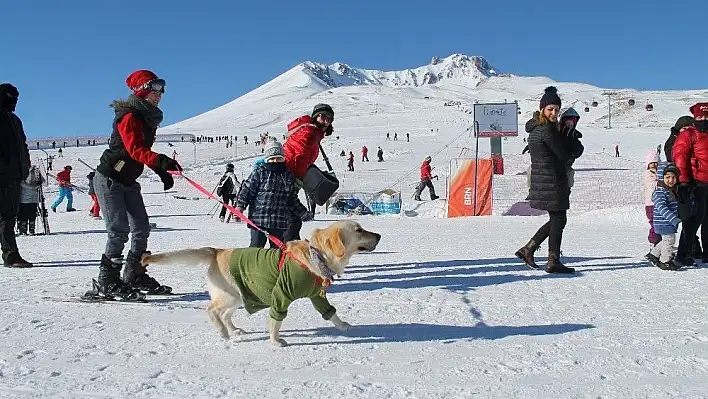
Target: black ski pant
9, 207
553, 230
294, 227
422, 185
258, 239
27, 212
228, 199
691, 225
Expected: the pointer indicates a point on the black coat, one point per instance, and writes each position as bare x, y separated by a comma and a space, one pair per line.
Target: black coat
14, 156
669, 145
550, 159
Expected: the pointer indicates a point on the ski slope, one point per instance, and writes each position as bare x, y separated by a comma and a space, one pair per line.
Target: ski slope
441, 309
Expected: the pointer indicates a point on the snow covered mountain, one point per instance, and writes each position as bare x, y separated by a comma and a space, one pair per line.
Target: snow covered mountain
441, 92
459, 68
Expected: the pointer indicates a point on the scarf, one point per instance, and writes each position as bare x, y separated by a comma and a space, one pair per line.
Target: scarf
318, 261
150, 113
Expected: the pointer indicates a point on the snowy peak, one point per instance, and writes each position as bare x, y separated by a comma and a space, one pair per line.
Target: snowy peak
457, 68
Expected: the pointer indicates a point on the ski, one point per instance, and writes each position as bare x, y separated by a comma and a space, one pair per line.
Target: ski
103, 301
43, 214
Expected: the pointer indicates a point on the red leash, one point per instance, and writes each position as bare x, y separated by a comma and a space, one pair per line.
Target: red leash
281, 262
231, 208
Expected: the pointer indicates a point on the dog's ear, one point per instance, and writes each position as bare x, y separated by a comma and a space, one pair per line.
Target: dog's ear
330, 239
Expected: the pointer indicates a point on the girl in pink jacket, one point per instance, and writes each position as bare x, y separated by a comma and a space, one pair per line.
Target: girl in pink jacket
652, 162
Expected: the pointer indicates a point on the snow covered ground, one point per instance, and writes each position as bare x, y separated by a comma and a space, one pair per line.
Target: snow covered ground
442, 308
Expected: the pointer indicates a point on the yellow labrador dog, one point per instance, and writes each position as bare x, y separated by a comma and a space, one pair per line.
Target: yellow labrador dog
260, 278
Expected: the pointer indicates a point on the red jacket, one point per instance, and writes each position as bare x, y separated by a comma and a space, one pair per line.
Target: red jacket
364, 150
302, 146
64, 178
425, 171
690, 154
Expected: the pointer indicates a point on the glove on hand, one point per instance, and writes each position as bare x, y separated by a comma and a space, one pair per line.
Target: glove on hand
166, 178
166, 163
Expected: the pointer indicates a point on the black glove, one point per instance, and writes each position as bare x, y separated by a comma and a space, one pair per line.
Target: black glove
166, 178
166, 163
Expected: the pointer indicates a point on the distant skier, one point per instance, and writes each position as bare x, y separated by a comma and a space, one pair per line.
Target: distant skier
426, 180
395, 136
65, 190
388, 136
95, 210
364, 154
408, 137
227, 189
617, 150
350, 162
379, 154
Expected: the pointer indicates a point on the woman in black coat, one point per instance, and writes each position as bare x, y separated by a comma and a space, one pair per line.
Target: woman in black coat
550, 190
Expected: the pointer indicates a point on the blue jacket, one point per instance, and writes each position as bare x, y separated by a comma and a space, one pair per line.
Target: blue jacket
666, 217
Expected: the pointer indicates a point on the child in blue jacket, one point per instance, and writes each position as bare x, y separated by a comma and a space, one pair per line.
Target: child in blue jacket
666, 216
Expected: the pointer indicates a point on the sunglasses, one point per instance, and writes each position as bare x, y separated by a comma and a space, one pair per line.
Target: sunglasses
156, 85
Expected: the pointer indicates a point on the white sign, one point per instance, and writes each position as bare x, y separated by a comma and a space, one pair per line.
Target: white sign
496, 120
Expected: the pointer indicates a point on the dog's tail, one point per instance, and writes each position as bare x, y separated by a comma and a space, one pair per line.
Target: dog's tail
190, 257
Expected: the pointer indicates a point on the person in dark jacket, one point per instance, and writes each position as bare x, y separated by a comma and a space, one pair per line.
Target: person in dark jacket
550, 190
14, 167
269, 194
129, 151
681, 123
227, 189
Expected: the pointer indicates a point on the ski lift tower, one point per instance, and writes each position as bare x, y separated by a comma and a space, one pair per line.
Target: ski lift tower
609, 95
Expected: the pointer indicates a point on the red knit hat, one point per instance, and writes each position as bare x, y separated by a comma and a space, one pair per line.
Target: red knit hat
699, 109
137, 79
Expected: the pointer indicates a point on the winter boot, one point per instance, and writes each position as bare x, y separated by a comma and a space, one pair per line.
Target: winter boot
555, 265
433, 197
108, 285
21, 227
70, 210
135, 274
13, 260
32, 226
525, 253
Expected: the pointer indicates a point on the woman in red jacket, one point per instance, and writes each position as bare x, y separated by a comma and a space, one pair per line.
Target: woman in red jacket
302, 147
690, 153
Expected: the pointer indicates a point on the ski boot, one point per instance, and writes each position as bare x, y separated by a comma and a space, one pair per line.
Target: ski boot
433, 197
70, 210
109, 287
135, 275
525, 253
555, 265
13, 260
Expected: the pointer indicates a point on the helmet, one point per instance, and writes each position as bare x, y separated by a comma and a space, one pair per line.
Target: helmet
428, 158
229, 167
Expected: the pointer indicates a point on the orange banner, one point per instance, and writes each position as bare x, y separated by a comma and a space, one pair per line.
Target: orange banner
461, 199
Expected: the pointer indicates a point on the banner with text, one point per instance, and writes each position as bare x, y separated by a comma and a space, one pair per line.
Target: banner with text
462, 195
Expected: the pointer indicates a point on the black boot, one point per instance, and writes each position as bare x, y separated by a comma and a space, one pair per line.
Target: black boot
555, 265
21, 227
109, 286
135, 274
525, 253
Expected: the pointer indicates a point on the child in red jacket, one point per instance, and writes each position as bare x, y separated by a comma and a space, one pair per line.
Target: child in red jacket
65, 190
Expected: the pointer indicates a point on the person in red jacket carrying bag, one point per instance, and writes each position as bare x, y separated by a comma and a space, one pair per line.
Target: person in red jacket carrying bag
65, 190
129, 151
301, 148
690, 153
426, 180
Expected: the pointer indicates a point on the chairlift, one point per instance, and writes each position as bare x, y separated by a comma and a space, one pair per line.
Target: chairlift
594, 103
631, 101
587, 109
649, 107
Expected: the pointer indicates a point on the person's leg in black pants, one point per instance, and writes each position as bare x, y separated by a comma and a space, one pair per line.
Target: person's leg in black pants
258, 239
9, 207
293, 230
691, 226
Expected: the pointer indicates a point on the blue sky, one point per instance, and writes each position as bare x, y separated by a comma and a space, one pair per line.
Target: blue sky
70, 58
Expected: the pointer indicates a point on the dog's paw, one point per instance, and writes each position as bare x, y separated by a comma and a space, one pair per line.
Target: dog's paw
342, 326
278, 342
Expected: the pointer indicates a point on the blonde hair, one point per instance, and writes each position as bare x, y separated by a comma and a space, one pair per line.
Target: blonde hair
542, 120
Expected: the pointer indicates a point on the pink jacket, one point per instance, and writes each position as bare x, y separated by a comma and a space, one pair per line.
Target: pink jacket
649, 177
